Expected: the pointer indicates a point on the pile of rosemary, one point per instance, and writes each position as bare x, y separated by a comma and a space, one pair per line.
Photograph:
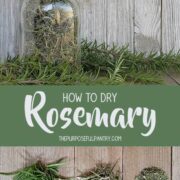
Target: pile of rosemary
93, 64
101, 172
152, 173
49, 28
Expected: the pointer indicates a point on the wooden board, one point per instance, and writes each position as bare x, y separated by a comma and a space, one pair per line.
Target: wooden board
10, 37
113, 155
176, 163
11, 159
14, 158
170, 25
170, 34
120, 25
131, 159
147, 25
136, 159
92, 20
86, 158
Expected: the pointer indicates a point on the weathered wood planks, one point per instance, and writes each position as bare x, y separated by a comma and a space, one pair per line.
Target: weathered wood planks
170, 25
92, 20
120, 22
176, 163
137, 158
10, 28
11, 159
131, 160
86, 158
145, 25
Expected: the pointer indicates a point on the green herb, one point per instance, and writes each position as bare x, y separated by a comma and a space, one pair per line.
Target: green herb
100, 64
131, 67
51, 32
101, 172
39, 171
152, 173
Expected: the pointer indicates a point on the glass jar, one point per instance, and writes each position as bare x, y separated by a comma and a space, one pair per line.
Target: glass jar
52, 29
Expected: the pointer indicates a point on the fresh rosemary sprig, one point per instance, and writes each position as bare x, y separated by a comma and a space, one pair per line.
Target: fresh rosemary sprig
100, 64
94, 56
39, 171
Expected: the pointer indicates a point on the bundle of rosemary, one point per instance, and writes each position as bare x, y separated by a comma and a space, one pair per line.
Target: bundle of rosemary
100, 64
39, 171
101, 172
152, 173
120, 64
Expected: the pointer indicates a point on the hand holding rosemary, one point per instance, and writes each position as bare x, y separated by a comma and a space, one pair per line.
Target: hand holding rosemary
99, 64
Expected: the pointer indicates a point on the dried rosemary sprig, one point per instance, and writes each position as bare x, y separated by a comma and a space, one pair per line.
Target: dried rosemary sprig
152, 173
101, 172
39, 171
49, 28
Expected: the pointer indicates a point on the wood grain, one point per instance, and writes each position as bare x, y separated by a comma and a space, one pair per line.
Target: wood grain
113, 155
155, 23
86, 158
10, 38
11, 159
147, 25
136, 159
93, 20
176, 163
120, 30
170, 25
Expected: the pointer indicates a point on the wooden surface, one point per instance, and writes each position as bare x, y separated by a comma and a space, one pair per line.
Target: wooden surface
144, 25
176, 163
120, 25
135, 159
87, 157
131, 160
147, 25
10, 36
170, 25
